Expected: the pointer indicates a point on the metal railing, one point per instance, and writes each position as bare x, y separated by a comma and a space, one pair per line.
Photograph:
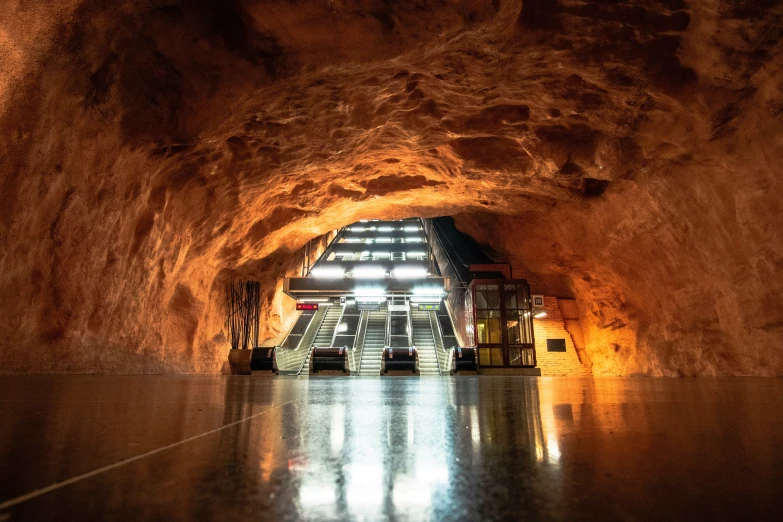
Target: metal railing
449, 358
337, 326
310, 338
437, 338
358, 344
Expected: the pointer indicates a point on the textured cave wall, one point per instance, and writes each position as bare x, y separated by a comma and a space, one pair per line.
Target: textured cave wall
626, 153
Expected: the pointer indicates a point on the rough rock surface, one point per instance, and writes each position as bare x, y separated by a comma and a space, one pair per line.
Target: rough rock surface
627, 153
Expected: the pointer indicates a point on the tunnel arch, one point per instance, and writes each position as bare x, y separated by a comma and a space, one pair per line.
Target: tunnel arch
590, 146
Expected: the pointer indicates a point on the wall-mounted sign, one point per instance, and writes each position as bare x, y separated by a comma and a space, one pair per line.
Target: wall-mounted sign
306, 306
538, 300
429, 306
555, 345
398, 307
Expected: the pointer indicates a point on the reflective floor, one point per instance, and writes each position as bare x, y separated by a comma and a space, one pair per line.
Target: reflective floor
469, 448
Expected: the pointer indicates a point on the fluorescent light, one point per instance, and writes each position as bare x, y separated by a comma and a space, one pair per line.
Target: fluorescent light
369, 291
409, 272
417, 254
413, 240
425, 299
383, 240
385, 229
428, 291
369, 272
367, 299
357, 229
328, 272
539, 315
411, 229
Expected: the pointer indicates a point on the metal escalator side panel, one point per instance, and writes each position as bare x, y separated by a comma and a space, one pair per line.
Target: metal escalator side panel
337, 326
355, 355
440, 350
290, 360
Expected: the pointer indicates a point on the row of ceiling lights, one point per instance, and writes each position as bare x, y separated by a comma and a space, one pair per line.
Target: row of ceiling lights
369, 272
378, 253
383, 240
384, 229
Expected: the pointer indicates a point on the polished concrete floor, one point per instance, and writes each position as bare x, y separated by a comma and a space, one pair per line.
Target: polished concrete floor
468, 448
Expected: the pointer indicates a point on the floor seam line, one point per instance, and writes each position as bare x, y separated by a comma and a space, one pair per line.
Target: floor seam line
89, 474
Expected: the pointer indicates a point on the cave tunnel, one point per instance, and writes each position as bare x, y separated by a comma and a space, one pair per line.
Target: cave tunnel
361, 259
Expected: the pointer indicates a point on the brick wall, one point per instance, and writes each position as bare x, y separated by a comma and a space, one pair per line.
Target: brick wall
553, 327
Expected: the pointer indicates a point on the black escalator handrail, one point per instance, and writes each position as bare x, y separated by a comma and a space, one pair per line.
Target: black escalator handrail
451, 245
448, 249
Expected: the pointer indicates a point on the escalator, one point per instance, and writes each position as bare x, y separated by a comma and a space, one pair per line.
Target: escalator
292, 354
424, 341
374, 342
326, 332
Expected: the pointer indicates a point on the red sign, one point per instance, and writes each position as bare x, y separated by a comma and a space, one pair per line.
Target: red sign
306, 306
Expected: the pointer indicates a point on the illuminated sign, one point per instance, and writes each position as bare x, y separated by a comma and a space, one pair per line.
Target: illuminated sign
429, 306
306, 306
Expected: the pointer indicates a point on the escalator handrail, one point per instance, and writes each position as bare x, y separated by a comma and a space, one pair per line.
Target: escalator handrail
450, 358
433, 327
304, 359
361, 333
448, 249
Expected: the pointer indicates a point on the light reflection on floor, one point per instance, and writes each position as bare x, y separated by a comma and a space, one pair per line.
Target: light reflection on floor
390, 449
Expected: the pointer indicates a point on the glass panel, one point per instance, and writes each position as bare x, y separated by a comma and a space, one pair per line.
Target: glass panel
522, 297
513, 324
488, 326
527, 357
399, 325
445, 325
302, 323
481, 298
482, 332
484, 357
398, 341
497, 356
515, 356
511, 296
344, 340
493, 297
348, 325
449, 341
291, 341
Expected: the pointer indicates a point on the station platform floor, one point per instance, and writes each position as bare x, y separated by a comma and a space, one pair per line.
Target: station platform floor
458, 448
